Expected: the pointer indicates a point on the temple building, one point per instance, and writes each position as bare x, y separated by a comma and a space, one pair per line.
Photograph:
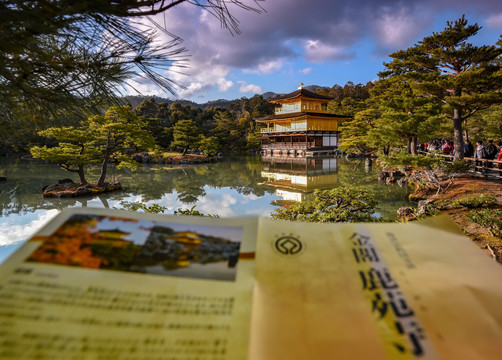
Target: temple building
301, 125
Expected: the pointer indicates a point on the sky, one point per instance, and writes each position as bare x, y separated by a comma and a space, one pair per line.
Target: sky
315, 42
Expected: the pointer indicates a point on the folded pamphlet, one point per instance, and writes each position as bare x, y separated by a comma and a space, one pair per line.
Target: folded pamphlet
111, 284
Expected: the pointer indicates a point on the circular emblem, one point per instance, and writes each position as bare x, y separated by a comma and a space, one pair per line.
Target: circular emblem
288, 245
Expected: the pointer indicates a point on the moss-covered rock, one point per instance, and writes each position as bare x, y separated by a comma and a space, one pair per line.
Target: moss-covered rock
71, 189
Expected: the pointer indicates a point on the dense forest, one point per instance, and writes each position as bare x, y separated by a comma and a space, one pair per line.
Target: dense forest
228, 126
227, 123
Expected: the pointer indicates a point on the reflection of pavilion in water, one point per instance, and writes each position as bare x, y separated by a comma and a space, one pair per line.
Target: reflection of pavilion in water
295, 179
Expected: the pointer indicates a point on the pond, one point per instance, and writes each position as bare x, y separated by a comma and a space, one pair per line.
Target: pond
236, 186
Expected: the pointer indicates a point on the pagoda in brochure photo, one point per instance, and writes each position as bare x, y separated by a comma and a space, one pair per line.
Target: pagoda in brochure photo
300, 126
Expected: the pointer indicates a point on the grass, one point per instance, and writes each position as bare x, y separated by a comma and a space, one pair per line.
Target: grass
168, 154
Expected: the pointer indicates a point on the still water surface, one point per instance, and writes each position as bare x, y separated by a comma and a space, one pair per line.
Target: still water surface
238, 186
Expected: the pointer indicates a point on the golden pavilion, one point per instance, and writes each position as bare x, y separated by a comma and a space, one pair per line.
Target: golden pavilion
300, 126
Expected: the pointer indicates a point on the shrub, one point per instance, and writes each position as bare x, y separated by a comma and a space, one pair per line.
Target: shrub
156, 209
192, 212
403, 159
488, 218
441, 204
341, 204
441, 175
431, 171
455, 167
473, 202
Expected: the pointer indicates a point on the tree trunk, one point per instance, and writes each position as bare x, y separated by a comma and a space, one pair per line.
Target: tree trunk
413, 145
81, 175
104, 165
466, 132
80, 168
184, 151
457, 129
458, 139
104, 202
408, 146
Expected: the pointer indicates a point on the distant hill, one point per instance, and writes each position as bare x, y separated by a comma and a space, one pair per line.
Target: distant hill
135, 100
215, 103
313, 88
269, 94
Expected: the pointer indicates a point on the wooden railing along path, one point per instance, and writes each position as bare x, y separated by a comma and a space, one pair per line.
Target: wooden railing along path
484, 167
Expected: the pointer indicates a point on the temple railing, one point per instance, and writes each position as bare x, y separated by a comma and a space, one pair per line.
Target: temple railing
281, 130
296, 145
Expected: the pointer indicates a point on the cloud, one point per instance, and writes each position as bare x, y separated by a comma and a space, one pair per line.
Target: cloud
485, 7
318, 52
316, 32
193, 88
224, 84
270, 38
267, 67
220, 204
249, 197
397, 28
200, 78
494, 21
249, 88
305, 71
142, 85
11, 233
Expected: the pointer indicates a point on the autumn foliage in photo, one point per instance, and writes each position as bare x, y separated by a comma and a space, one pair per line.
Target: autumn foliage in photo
69, 245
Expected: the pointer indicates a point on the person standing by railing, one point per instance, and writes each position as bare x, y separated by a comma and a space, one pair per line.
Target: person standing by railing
480, 153
499, 158
491, 152
446, 147
468, 149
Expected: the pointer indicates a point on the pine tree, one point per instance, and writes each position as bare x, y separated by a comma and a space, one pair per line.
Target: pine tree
228, 130
209, 145
462, 77
404, 117
186, 135
75, 149
489, 124
355, 132
99, 139
147, 108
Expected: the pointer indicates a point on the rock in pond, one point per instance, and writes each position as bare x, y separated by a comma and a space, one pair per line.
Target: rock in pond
71, 189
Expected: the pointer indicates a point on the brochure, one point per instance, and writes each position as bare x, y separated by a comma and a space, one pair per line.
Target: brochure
111, 284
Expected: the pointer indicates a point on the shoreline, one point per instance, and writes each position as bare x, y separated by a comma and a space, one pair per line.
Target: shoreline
470, 186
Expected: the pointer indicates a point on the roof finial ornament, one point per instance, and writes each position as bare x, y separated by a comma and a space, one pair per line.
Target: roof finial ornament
301, 86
